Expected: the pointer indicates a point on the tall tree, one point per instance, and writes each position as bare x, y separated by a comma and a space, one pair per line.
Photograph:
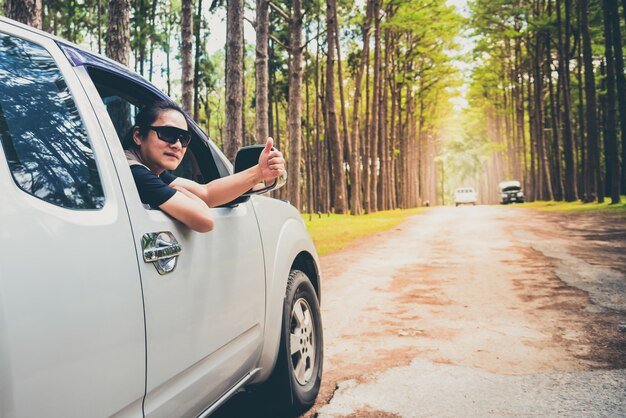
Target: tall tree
621, 87
196, 63
610, 128
373, 130
593, 179
262, 70
347, 146
187, 54
564, 79
118, 49
118, 31
294, 120
339, 200
355, 162
234, 77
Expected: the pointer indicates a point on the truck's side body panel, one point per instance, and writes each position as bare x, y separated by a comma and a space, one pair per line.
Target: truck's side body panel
71, 314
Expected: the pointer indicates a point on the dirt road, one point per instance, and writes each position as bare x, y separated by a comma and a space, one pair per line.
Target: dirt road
478, 311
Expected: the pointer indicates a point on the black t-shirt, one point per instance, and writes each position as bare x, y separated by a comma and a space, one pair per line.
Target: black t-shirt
153, 190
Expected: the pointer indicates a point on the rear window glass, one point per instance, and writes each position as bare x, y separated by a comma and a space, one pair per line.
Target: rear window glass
42, 135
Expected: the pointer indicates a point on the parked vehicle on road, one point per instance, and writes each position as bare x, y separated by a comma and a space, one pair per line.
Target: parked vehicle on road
511, 192
464, 196
109, 308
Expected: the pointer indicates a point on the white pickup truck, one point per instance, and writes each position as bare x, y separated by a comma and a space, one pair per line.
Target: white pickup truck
109, 308
464, 196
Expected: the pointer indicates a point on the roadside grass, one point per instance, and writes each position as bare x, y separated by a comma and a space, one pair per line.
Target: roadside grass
578, 206
333, 232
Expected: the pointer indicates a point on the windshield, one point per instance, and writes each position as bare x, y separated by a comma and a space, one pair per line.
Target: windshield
512, 189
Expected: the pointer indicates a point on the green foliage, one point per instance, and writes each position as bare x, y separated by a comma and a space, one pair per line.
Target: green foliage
332, 232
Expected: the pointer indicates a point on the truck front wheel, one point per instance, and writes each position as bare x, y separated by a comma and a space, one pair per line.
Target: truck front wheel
298, 373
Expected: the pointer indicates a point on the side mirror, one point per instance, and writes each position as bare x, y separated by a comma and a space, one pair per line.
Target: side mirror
249, 157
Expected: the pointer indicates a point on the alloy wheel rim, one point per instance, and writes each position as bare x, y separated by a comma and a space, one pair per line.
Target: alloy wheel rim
302, 341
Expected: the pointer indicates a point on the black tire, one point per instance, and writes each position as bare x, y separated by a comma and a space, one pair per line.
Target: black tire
297, 377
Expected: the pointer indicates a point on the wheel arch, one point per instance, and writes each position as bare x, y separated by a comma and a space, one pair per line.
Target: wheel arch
305, 262
293, 249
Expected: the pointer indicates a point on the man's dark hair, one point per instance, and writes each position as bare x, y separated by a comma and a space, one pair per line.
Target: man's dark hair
146, 117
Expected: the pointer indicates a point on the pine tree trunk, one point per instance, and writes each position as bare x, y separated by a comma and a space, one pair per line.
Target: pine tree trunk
564, 75
556, 134
262, 71
554, 165
367, 200
140, 22
118, 31
99, 25
207, 114
270, 92
196, 66
602, 113
410, 176
511, 111
339, 201
392, 129
611, 149
582, 148
621, 88
317, 148
385, 159
234, 77
541, 183
186, 27
593, 155
294, 123
309, 157
347, 145
168, 65
355, 172
373, 131
519, 113
532, 175
24, 11
118, 49
152, 40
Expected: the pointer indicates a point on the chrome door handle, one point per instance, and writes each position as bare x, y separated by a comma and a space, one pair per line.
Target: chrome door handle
162, 249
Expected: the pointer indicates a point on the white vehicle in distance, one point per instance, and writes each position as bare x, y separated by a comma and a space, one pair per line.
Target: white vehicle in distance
109, 308
511, 192
464, 196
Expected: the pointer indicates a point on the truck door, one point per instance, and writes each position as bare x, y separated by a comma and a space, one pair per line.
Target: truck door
205, 306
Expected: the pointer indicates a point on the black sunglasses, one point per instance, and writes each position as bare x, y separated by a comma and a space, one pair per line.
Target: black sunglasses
171, 134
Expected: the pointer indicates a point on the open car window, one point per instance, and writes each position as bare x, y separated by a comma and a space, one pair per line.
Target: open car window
123, 98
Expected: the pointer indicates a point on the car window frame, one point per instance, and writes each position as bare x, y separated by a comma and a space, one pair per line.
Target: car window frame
209, 158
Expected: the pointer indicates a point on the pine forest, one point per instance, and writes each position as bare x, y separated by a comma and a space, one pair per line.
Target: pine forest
384, 104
